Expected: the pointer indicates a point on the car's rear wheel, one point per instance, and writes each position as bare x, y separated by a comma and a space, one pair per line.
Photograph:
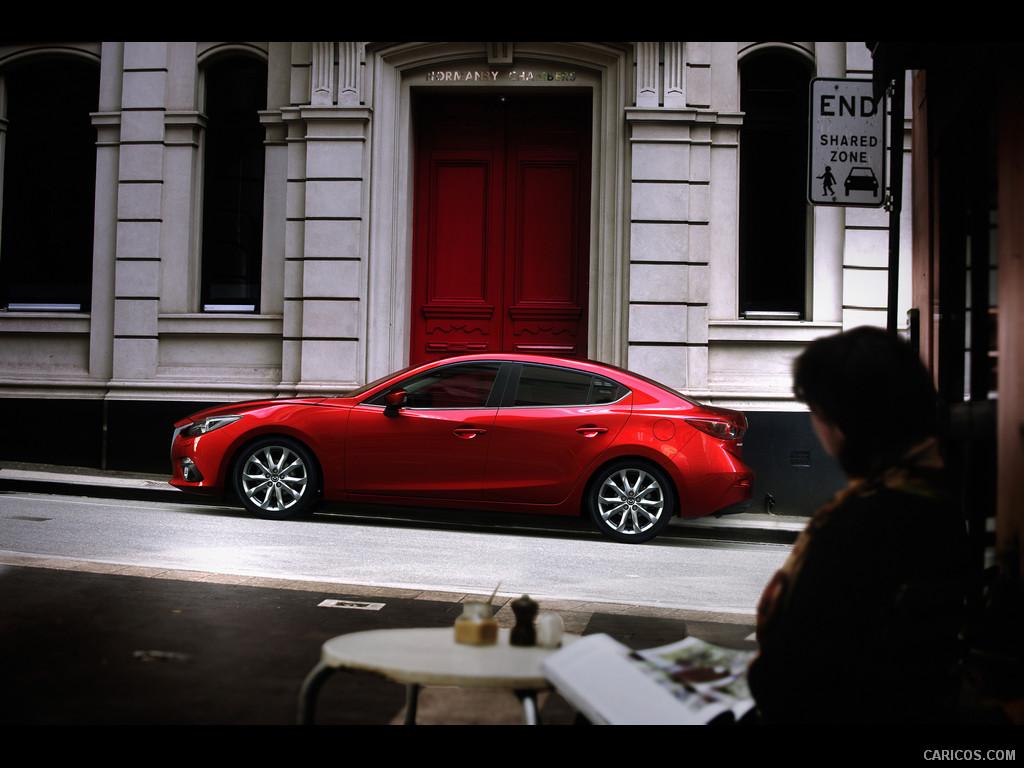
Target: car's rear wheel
276, 478
631, 501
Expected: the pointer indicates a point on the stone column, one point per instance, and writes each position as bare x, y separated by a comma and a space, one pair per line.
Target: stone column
139, 211
107, 122
669, 255
325, 253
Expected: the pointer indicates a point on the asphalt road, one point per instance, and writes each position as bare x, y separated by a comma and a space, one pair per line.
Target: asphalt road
130, 610
92, 638
396, 549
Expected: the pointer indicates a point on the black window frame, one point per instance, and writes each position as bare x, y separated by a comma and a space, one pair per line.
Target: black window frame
774, 214
234, 172
49, 185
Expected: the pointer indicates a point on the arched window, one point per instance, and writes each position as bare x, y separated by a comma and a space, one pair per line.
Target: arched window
49, 186
232, 241
774, 212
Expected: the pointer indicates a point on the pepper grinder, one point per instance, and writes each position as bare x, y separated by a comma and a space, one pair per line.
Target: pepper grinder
524, 633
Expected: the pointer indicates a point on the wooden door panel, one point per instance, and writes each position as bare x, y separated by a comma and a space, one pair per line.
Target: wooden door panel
545, 270
500, 242
457, 256
461, 291
546, 307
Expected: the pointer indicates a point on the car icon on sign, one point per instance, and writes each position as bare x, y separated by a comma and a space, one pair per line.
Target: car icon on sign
861, 177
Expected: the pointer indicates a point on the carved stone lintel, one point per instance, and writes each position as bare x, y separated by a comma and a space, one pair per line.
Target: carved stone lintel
647, 74
321, 78
499, 53
348, 70
350, 66
660, 84
675, 95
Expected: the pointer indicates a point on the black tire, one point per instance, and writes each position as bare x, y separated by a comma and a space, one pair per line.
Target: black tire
276, 478
631, 501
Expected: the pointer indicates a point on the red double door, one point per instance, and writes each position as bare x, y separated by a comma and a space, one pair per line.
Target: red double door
500, 252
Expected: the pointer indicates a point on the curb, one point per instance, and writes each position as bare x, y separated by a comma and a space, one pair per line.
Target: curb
45, 478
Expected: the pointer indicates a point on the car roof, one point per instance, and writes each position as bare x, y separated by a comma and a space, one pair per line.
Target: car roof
583, 364
591, 366
520, 357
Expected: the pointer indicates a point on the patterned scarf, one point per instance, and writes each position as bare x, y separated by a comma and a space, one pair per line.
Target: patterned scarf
906, 476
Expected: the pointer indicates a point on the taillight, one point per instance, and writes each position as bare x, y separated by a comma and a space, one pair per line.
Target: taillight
723, 430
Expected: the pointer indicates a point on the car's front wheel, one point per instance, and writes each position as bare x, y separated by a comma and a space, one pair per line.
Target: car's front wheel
631, 501
276, 478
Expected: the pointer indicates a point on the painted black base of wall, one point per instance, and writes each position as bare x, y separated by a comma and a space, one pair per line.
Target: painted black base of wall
794, 476
63, 432
139, 433
132, 436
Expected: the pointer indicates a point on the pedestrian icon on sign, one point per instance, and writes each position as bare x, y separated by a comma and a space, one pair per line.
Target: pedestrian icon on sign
827, 181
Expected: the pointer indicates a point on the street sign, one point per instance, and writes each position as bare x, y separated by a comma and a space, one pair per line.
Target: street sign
847, 144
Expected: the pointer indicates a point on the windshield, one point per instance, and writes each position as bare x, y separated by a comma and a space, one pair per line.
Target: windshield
381, 380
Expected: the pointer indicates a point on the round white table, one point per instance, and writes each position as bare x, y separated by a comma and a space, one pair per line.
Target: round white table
418, 657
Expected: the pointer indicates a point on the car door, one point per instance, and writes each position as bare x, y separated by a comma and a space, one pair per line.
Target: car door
550, 432
434, 446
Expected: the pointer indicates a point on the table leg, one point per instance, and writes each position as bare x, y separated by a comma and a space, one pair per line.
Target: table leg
529, 702
309, 692
412, 695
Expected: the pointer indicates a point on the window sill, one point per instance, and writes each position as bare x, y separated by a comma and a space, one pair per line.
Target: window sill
221, 323
22, 321
750, 330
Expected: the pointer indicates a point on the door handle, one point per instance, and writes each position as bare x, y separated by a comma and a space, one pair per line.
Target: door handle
468, 433
591, 431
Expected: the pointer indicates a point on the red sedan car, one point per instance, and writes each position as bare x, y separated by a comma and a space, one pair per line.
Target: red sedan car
498, 432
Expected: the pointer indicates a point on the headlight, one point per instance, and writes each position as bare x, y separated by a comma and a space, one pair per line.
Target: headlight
208, 425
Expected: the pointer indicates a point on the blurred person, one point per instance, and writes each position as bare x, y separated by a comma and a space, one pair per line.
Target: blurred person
861, 623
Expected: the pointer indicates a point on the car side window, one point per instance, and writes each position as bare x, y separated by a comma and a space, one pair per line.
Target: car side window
603, 391
453, 386
544, 386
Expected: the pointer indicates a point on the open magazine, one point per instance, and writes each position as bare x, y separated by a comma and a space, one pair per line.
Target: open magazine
690, 682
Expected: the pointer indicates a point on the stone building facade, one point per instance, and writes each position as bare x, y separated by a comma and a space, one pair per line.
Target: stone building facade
259, 219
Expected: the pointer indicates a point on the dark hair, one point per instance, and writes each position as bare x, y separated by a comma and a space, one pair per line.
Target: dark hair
875, 388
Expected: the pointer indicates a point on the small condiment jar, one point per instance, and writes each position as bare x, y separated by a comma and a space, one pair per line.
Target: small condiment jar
476, 625
550, 629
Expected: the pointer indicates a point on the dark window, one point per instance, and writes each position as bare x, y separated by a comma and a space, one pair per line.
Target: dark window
232, 245
603, 391
453, 386
49, 186
541, 386
773, 178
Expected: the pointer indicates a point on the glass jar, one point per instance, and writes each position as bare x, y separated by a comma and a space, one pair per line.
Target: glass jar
476, 625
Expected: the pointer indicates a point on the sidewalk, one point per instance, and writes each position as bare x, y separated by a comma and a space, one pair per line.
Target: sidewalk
88, 643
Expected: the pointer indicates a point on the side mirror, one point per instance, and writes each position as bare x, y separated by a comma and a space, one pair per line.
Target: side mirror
393, 402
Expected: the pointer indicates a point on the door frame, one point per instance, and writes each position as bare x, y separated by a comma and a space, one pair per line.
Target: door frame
395, 70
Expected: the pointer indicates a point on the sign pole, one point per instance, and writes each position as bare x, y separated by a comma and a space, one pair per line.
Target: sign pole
895, 204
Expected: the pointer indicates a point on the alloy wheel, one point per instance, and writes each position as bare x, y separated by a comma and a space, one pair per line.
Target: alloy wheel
274, 478
631, 503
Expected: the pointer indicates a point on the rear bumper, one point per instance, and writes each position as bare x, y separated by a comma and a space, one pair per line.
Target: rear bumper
734, 508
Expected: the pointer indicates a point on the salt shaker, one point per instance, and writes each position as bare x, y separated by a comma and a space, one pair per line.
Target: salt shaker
549, 630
